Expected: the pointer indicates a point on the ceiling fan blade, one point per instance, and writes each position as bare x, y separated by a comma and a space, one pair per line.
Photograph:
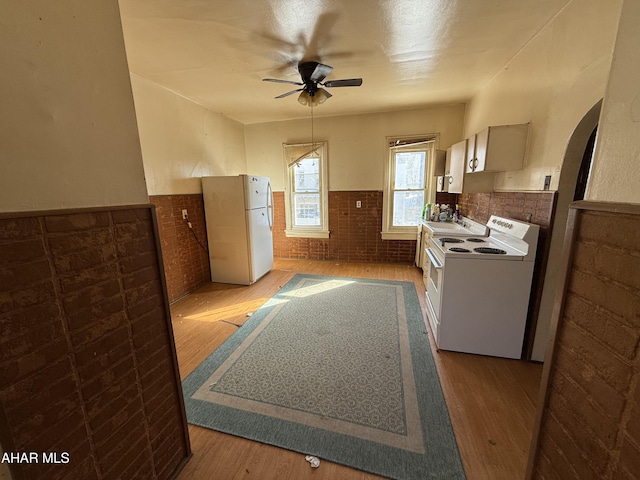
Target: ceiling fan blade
289, 93
280, 81
350, 82
328, 95
320, 72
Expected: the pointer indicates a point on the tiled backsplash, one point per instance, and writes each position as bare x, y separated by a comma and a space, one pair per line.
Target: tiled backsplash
186, 263
355, 233
515, 205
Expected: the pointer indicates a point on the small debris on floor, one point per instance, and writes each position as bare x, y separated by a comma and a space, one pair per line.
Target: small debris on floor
249, 314
492, 441
314, 461
230, 323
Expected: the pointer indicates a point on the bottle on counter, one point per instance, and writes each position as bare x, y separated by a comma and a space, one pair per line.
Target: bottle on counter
436, 213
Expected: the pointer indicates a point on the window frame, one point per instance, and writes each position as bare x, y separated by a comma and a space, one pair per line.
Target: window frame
393, 145
292, 154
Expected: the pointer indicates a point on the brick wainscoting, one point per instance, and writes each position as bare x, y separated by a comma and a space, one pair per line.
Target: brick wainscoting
588, 424
186, 263
354, 237
87, 359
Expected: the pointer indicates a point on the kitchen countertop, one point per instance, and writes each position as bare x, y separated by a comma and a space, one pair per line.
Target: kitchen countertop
465, 226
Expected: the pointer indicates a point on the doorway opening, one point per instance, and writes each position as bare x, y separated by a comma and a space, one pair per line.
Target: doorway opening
574, 176
585, 167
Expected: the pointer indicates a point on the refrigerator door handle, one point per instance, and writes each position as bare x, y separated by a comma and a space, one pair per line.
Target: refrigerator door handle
270, 206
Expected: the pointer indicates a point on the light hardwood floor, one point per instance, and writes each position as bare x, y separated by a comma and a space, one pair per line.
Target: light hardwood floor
491, 401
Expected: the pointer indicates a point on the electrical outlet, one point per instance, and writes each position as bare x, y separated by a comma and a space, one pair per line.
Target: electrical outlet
547, 182
358, 204
184, 213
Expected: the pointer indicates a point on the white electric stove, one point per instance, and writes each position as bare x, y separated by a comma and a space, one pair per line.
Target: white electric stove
428, 230
478, 288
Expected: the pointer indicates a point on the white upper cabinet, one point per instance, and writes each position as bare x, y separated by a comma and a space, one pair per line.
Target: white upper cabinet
470, 154
456, 156
497, 149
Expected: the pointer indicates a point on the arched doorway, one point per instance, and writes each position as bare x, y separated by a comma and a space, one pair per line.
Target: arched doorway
585, 167
572, 182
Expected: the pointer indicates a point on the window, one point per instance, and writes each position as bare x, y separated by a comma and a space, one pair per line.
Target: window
306, 195
407, 185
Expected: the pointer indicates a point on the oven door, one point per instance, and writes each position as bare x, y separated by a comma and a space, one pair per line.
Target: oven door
433, 277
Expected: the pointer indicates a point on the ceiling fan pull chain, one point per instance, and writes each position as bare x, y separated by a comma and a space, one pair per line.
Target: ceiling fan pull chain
313, 143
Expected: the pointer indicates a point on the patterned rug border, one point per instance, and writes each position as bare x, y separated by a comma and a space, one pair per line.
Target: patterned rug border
442, 458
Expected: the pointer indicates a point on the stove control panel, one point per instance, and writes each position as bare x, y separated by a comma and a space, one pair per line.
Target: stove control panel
508, 226
502, 223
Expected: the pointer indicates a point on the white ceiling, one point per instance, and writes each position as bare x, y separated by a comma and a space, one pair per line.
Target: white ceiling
409, 53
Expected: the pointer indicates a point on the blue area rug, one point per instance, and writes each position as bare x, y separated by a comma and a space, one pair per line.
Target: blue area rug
337, 368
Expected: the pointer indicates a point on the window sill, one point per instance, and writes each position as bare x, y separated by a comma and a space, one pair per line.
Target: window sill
300, 233
413, 235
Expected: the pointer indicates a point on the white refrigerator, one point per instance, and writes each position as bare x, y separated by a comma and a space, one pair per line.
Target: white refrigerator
239, 216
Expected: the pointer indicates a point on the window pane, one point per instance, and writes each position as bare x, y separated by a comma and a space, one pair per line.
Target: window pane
306, 209
307, 175
407, 208
409, 170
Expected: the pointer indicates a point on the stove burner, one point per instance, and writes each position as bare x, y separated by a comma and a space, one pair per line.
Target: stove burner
492, 251
450, 240
475, 240
459, 250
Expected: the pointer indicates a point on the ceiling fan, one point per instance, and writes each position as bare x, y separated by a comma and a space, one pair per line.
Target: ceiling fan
312, 75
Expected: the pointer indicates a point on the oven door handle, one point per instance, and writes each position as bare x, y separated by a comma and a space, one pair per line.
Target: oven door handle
432, 258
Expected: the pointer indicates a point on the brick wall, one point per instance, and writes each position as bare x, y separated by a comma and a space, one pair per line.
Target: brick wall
186, 263
516, 205
87, 360
589, 424
354, 237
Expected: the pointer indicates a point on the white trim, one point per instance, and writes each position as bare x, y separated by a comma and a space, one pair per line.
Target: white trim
400, 235
390, 232
302, 233
292, 153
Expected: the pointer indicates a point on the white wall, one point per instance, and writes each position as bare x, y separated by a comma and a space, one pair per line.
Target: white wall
68, 134
183, 141
552, 83
615, 173
357, 149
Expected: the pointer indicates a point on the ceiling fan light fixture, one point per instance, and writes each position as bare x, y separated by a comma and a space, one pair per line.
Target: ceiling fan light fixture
304, 98
319, 97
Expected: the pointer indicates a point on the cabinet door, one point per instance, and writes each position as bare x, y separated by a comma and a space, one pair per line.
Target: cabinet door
456, 166
500, 148
442, 178
482, 143
470, 154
